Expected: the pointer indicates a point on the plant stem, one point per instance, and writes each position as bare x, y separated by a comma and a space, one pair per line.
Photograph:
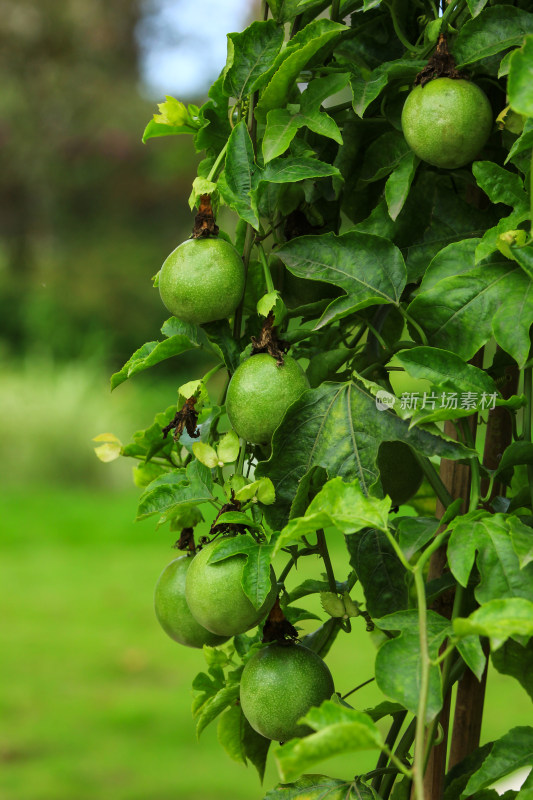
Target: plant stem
323, 550
475, 474
217, 163
266, 268
264, 9
360, 686
248, 243
397, 722
335, 8
434, 480
398, 31
420, 735
401, 751
408, 318
209, 375
242, 455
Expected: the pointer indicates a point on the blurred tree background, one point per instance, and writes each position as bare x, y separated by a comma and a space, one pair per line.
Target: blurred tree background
87, 212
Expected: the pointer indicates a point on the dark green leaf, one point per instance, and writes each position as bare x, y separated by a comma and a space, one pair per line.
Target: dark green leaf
339, 428
290, 170
508, 754
399, 183
501, 185
515, 659
476, 6
250, 57
379, 571
384, 155
398, 660
519, 86
215, 705
457, 778
239, 175
320, 787
525, 140
230, 733
492, 31
320, 641
282, 127
370, 269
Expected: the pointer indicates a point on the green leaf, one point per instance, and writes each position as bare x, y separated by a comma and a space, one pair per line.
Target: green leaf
338, 427
516, 660
499, 620
490, 536
398, 660
519, 86
509, 753
370, 269
201, 186
414, 533
228, 447
263, 489
522, 539
181, 487
250, 57
290, 170
236, 518
181, 336
282, 126
472, 653
338, 730
257, 572
524, 141
399, 183
493, 30
215, 705
307, 43
517, 453
500, 185
476, 6
460, 313
379, 571
445, 370
338, 504
156, 129
174, 113
321, 787
205, 454
230, 733
384, 155
238, 179
321, 640
366, 87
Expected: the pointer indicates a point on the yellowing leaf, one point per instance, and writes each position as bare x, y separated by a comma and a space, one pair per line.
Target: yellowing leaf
205, 454
228, 448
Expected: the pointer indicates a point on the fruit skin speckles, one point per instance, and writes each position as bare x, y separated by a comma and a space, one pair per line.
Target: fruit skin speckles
447, 122
260, 393
173, 612
202, 280
216, 598
279, 684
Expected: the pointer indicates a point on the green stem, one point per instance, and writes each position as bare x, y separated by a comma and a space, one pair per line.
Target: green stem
398, 31
437, 542
397, 549
209, 375
264, 9
266, 269
242, 454
248, 243
407, 317
528, 391
434, 480
419, 757
360, 686
401, 751
475, 473
397, 763
323, 550
531, 194
397, 722
217, 163
335, 8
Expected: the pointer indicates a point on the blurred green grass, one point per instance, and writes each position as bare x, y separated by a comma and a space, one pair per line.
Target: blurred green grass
94, 698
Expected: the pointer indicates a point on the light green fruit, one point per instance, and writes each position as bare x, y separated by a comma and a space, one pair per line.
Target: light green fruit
216, 598
400, 472
279, 684
202, 280
260, 393
447, 122
172, 610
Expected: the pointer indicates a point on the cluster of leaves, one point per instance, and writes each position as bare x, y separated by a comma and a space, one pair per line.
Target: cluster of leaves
401, 268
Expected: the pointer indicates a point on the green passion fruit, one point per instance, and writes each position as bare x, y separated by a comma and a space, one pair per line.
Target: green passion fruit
399, 470
172, 610
279, 684
202, 280
260, 393
447, 122
216, 598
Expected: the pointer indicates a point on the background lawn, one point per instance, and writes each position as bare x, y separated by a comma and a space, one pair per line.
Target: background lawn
94, 698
